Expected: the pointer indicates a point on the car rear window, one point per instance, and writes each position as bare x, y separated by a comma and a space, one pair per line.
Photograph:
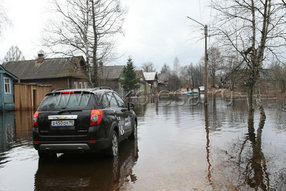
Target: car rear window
60, 101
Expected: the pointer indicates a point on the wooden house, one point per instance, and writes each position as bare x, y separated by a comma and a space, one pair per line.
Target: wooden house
58, 72
7, 80
111, 76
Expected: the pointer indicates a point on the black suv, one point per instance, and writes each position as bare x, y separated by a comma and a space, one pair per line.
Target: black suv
82, 120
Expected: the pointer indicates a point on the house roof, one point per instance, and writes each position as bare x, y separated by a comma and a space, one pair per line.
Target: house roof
8, 73
112, 72
150, 76
139, 74
46, 68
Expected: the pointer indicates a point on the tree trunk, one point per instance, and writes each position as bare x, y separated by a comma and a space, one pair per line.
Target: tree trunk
250, 101
94, 48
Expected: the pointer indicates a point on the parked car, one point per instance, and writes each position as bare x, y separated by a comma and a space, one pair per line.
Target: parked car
82, 120
202, 89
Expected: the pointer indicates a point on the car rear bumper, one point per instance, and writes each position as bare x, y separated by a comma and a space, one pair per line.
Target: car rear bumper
67, 147
84, 146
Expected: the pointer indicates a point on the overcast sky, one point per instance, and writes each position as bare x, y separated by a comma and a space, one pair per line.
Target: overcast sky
154, 31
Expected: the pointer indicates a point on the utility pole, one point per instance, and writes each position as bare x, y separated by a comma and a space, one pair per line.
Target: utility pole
206, 59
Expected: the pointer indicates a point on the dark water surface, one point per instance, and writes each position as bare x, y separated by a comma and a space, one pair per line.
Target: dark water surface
178, 148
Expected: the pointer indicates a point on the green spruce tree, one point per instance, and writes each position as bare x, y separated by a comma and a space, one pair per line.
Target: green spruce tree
129, 80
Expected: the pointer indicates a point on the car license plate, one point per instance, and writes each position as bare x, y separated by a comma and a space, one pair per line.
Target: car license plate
64, 123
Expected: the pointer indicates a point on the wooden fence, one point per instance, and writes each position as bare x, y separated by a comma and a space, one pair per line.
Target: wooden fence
29, 96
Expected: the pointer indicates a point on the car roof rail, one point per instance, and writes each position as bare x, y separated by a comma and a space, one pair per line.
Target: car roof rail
103, 88
55, 90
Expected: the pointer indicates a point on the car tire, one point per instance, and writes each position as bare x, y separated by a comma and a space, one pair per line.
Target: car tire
133, 135
112, 151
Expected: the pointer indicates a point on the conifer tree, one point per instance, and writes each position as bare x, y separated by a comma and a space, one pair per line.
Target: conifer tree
129, 80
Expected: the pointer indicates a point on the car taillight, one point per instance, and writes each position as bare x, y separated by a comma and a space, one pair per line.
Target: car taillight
67, 92
95, 117
35, 119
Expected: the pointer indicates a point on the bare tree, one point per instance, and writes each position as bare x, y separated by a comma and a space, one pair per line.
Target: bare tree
250, 28
214, 64
193, 74
174, 82
165, 69
279, 75
86, 27
14, 54
148, 67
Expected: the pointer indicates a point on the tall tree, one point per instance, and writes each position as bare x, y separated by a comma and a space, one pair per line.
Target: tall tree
165, 69
193, 74
148, 67
14, 54
279, 75
129, 81
174, 82
86, 27
176, 66
250, 28
215, 61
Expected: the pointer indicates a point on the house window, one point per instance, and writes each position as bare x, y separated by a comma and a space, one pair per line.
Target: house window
7, 86
80, 85
75, 84
85, 85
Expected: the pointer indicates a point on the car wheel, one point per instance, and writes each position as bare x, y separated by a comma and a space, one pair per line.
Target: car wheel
134, 133
113, 149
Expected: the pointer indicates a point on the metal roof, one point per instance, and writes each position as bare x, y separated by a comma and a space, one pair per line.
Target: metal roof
112, 72
150, 76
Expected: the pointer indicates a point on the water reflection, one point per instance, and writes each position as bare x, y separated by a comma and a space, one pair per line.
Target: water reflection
7, 130
82, 172
23, 128
15, 131
255, 171
140, 109
181, 148
245, 166
15, 128
208, 145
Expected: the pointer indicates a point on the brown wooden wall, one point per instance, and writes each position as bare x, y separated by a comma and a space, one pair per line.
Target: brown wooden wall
29, 96
59, 83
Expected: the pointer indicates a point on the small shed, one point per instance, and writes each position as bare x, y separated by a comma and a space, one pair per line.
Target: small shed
7, 80
152, 79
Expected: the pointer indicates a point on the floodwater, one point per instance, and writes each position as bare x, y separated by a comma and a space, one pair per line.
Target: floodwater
178, 148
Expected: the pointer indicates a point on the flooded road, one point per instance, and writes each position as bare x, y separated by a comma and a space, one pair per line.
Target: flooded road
178, 148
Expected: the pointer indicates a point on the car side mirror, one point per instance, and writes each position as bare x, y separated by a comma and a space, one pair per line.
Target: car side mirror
130, 106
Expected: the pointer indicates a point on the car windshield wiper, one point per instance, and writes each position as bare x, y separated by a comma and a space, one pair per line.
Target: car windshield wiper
68, 110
